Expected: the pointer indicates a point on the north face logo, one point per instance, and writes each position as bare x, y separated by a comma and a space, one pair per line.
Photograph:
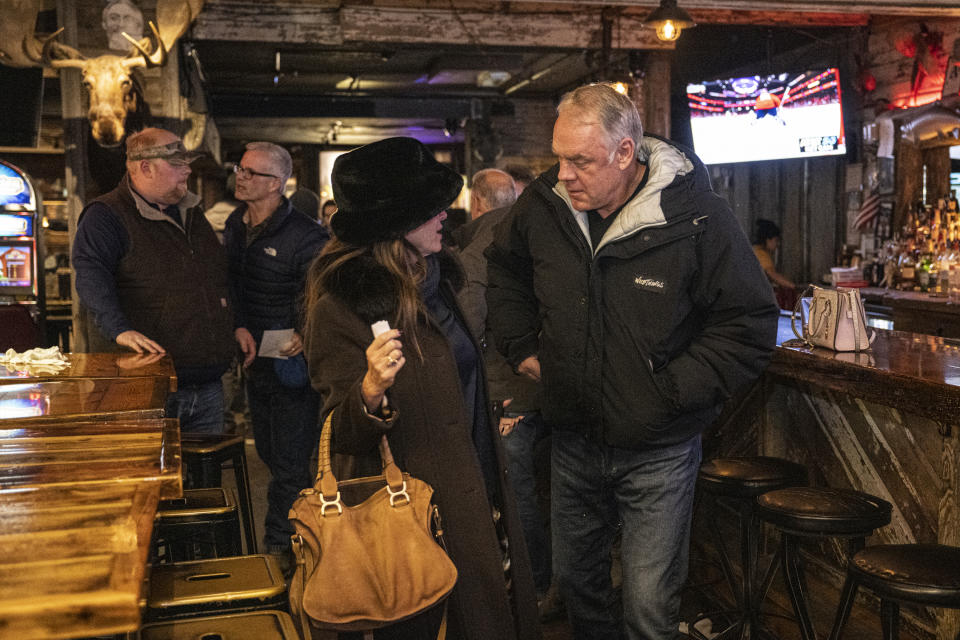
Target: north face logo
649, 284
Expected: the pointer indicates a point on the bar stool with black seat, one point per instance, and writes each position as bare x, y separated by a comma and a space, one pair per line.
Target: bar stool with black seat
740, 480
221, 585
262, 625
923, 574
203, 524
800, 513
203, 458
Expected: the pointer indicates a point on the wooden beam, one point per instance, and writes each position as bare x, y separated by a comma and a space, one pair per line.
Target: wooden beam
914, 8
321, 25
555, 30
555, 23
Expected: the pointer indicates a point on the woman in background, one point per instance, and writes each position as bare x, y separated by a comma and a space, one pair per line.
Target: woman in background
421, 383
766, 241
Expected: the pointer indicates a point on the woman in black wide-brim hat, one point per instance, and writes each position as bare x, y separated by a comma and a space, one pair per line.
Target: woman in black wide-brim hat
421, 383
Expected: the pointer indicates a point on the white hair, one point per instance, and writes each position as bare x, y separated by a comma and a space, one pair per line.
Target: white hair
614, 112
279, 157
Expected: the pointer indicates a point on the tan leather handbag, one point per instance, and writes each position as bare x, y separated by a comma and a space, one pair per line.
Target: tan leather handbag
366, 553
836, 320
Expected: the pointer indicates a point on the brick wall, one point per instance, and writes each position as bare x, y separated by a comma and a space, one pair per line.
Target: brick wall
527, 134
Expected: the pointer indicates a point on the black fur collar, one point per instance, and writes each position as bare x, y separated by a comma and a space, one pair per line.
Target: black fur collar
368, 290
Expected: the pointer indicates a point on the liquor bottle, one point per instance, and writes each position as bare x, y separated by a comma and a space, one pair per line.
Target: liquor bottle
906, 271
923, 269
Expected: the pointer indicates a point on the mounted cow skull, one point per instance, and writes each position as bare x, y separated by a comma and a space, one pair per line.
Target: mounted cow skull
108, 79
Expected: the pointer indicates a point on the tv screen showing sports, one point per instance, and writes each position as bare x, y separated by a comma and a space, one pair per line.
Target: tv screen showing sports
788, 115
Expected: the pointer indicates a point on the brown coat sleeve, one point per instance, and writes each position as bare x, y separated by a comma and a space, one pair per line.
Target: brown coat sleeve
337, 359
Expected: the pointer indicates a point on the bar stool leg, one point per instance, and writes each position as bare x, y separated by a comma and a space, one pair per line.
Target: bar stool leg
748, 559
210, 474
847, 596
793, 575
227, 539
725, 565
246, 504
890, 619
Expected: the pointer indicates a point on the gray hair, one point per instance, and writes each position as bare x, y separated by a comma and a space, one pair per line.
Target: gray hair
279, 158
614, 112
495, 187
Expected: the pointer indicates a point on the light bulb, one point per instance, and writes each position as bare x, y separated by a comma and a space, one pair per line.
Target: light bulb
668, 31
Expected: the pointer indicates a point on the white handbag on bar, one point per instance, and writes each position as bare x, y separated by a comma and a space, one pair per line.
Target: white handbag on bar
835, 319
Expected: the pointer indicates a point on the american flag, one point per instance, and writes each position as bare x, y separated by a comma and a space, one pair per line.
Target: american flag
868, 211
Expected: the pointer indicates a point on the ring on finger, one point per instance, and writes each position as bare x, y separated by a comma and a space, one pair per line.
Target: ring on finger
391, 361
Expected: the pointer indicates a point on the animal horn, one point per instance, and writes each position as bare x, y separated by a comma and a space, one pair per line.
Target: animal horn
60, 56
19, 47
157, 59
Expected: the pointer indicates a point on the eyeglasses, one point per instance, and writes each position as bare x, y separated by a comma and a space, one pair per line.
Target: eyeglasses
246, 174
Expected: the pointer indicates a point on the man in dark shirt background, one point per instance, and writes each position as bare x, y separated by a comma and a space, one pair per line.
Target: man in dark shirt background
151, 272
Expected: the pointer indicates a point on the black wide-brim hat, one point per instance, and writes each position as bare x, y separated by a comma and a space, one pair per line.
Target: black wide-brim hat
388, 188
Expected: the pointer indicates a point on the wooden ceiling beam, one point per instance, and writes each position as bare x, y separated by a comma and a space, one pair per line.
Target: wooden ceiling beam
370, 25
526, 23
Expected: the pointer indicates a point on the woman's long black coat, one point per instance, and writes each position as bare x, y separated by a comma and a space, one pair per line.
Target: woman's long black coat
429, 439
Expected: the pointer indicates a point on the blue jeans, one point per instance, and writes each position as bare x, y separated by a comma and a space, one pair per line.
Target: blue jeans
198, 406
520, 446
286, 434
596, 489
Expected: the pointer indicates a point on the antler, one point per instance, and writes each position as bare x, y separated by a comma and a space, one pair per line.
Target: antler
156, 59
60, 56
18, 46
174, 18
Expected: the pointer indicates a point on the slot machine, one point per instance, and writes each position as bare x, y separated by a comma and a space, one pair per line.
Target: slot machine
21, 284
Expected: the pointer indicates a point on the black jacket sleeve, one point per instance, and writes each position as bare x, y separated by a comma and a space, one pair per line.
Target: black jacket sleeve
740, 318
512, 312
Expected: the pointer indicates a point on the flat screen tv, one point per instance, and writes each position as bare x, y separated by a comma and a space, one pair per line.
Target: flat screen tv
771, 117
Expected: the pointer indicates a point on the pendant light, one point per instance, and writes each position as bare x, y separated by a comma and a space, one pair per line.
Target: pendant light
669, 20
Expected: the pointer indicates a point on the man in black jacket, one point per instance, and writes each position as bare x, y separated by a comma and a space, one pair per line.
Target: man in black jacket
270, 246
150, 271
625, 284
521, 428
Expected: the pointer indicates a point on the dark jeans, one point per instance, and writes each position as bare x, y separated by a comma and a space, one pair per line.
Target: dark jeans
520, 447
595, 490
286, 433
199, 407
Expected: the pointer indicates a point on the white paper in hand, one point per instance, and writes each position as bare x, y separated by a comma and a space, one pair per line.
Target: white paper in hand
273, 342
379, 327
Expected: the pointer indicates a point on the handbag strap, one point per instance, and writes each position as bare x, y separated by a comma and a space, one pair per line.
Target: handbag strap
798, 311
328, 482
860, 327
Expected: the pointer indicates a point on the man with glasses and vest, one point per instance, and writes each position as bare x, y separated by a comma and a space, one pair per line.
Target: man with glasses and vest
270, 246
150, 271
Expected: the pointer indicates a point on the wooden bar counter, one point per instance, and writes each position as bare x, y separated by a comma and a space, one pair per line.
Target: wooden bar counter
97, 366
885, 421
91, 383
918, 312
85, 456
